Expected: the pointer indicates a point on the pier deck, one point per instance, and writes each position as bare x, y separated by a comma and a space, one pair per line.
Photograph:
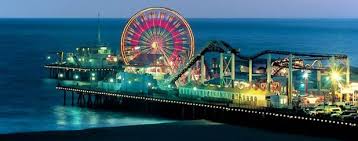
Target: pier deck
96, 96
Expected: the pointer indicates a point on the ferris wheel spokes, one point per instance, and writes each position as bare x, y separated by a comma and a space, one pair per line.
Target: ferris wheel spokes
157, 36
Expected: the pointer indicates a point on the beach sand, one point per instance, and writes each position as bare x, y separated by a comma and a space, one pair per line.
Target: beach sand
177, 131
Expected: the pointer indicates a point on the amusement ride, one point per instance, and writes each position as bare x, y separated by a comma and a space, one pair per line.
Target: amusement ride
157, 41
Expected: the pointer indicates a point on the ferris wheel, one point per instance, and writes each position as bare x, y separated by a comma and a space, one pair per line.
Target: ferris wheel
157, 37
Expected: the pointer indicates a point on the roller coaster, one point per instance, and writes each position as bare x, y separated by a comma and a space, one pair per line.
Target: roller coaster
219, 46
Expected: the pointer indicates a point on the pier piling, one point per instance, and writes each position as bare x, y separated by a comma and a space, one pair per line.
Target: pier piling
64, 97
72, 98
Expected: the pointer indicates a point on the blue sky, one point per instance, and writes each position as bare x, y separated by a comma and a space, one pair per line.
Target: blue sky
188, 8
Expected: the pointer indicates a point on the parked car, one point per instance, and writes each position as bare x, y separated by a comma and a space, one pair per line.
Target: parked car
347, 114
335, 114
316, 111
348, 106
307, 110
323, 105
354, 108
351, 118
336, 110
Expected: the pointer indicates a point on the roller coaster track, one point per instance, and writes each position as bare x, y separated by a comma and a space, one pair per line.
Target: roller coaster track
315, 55
283, 63
76, 61
222, 47
212, 46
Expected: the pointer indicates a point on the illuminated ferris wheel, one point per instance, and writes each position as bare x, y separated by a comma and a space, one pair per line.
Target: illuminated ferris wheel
157, 37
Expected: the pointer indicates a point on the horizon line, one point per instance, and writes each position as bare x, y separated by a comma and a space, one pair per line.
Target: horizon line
184, 17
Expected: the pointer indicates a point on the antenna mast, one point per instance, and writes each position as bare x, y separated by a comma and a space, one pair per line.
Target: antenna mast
98, 29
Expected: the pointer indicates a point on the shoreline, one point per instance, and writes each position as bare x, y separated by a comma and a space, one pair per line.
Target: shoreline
181, 130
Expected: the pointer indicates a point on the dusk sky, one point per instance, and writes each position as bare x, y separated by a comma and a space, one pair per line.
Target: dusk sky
188, 8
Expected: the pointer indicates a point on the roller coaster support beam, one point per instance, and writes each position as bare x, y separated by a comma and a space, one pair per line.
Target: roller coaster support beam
232, 68
221, 67
348, 73
290, 80
250, 71
268, 73
319, 78
189, 75
202, 69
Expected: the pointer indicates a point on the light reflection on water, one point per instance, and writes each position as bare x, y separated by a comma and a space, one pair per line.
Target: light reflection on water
79, 118
40, 109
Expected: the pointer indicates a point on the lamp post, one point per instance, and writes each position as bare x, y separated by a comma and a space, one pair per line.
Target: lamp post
76, 77
305, 76
111, 81
93, 79
333, 91
129, 82
335, 78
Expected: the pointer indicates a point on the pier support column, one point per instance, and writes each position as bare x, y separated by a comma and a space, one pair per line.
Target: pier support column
64, 97
319, 82
221, 69
193, 112
202, 69
78, 98
81, 100
72, 98
250, 71
290, 80
268, 73
89, 100
182, 112
348, 73
53, 73
232, 68
66, 74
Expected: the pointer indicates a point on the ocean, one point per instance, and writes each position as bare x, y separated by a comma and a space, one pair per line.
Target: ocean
29, 101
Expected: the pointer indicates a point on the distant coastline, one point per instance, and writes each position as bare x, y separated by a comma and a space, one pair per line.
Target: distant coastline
246, 18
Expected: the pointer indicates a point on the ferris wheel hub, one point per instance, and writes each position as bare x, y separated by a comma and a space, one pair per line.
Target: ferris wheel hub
155, 45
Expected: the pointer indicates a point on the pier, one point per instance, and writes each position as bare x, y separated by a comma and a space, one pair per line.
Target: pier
285, 90
282, 120
193, 109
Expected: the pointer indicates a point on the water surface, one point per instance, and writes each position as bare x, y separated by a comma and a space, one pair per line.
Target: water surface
29, 101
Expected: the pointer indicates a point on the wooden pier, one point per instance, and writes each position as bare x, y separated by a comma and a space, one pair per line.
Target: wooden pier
68, 73
271, 119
